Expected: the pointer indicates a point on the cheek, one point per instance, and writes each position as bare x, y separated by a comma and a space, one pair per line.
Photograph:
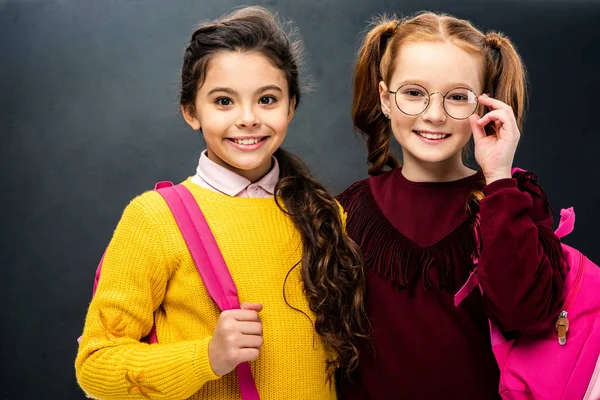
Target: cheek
278, 121
462, 128
402, 126
215, 123
401, 123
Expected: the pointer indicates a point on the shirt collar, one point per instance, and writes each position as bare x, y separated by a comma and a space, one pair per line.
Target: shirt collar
230, 183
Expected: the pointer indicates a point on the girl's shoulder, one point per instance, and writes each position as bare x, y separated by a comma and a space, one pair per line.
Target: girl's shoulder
153, 206
148, 207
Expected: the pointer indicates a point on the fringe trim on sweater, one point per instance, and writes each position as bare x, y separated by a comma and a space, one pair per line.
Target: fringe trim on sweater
397, 258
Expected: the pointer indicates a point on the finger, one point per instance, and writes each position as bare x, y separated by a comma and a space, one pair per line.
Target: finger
251, 328
241, 315
248, 354
496, 116
251, 306
478, 131
249, 342
492, 103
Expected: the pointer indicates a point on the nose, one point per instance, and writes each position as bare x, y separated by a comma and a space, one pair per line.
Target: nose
248, 118
435, 112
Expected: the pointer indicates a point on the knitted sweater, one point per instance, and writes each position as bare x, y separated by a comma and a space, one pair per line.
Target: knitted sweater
419, 241
148, 276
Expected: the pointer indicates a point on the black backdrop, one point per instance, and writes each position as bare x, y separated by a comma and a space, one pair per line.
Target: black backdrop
89, 119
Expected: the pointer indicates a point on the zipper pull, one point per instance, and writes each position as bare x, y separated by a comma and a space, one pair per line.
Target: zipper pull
562, 326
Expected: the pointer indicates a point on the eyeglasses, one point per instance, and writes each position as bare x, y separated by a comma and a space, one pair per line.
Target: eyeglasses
458, 103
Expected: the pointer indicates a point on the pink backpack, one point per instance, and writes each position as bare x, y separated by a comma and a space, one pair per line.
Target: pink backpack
564, 362
209, 263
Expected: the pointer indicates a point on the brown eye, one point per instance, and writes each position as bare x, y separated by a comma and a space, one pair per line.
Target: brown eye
413, 93
457, 97
461, 96
267, 100
224, 101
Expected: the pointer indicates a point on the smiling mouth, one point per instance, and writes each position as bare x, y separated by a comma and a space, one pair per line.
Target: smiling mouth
247, 142
432, 136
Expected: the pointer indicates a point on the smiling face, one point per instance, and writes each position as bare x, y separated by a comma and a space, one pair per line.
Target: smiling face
432, 136
243, 108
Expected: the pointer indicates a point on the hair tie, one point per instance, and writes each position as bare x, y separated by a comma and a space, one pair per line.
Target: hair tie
385, 38
494, 40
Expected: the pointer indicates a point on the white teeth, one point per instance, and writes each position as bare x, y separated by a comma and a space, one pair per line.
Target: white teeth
246, 141
427, 135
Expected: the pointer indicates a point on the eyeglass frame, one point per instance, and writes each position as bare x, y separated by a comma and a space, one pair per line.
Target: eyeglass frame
429, 100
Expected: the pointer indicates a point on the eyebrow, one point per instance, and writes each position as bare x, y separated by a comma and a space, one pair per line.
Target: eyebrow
233, 92
221, 89
449, 86
269, 87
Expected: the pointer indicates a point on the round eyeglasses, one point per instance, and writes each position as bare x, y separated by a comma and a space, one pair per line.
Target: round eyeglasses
458, 103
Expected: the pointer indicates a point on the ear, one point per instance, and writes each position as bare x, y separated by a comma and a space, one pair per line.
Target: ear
190, 117
291, 109
384, 98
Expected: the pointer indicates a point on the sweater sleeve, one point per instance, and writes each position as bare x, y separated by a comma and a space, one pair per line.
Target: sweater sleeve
521, 263
111, 361
343, 215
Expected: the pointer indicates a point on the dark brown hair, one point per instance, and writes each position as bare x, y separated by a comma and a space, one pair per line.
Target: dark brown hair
503, 72
331, 262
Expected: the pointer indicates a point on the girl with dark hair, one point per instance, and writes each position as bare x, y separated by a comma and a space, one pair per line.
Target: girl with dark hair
281, 234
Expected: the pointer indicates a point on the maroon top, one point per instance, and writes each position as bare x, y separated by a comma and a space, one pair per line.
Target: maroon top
418, 241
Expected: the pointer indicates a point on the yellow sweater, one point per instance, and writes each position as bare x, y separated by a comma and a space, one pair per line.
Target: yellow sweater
148, 274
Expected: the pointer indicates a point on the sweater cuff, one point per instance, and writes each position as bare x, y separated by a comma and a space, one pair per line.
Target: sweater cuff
202, 369
500, 184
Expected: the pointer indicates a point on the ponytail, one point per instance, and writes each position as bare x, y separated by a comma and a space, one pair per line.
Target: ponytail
366, 110
331, 262
507, 82
507, 77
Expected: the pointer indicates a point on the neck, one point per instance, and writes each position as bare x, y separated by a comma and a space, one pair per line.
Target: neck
449, 170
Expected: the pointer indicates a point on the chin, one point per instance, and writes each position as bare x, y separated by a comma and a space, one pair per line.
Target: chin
433, 157
249, 165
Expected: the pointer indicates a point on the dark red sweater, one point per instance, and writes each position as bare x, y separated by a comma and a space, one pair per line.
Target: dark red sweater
418, 240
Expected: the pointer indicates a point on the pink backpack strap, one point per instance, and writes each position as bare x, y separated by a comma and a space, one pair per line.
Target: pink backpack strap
467, 288
209, 262
567, 222
202, 246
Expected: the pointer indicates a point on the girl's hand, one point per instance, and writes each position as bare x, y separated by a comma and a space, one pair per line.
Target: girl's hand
495, 153
237, 338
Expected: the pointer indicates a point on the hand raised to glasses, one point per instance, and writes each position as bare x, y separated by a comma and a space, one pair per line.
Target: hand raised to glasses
495, 153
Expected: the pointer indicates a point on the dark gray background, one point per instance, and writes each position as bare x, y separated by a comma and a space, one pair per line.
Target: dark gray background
89, 119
